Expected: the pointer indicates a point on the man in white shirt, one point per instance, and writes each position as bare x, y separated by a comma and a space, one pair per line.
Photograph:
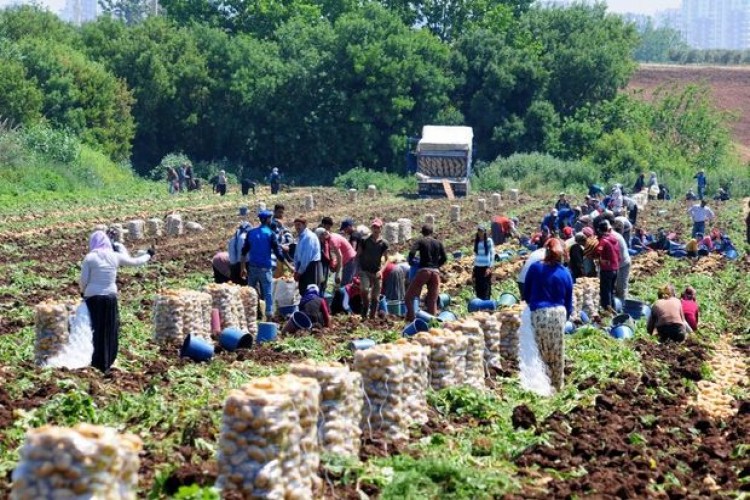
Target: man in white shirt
535, 256
700, 214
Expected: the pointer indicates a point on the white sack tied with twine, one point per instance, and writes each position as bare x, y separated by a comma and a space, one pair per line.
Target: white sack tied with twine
533, 371
79, 349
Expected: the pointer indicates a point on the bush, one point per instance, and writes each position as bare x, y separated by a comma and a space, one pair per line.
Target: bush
360, 178
533, 171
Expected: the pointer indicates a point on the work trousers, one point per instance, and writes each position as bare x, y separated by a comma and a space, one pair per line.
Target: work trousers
370, 286
311, 276
621, 282
261, 278
607, 289
699, 227
425, 276
482, 283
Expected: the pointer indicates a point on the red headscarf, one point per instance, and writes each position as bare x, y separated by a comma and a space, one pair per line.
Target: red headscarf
555, 251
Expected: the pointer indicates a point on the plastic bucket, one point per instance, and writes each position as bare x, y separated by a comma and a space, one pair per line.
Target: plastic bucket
583, 317
266, 332
731, 254
444, 300
298, 321
502, 257
287, 310
383, 304
507, 299
458, 254
678, 254
569, 328
243, 211
622, 319
618, 305
446, 316
416, 326
396, 307
635, 308
424, 316
482, 305
233, 338
360, 344
196, 349
621, 332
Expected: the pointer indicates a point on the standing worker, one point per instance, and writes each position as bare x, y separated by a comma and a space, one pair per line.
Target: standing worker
275, 180
306, 256
623, 270
234, 249
431, 259
484, 259
549, 292
700, 179
99, 287
329, 258
260, 244
609, 262
372, 258
221, 183
700, 213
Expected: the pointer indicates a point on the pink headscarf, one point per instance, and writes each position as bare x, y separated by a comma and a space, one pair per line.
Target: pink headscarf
99, 242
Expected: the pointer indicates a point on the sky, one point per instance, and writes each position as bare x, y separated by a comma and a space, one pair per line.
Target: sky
620, 6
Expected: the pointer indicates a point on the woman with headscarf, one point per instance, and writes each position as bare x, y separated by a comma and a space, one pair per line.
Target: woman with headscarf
690, 308
99, 287
575, 263
484, 258
315, 307
667, 316
589, 253
549, 291
221, 183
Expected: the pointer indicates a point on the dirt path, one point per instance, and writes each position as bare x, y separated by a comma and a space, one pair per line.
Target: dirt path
728, 369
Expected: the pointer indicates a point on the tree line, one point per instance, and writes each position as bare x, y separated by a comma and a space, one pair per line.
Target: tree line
317, 87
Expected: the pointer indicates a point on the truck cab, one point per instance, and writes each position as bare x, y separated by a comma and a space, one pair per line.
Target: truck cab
444, 161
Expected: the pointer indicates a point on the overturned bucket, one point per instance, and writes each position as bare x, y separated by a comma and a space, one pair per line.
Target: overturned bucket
621, 332
416, 326
233, 338
361, 344
623, 319
196, 348
447, 316
425, 316
298, 321
482, 305
444, 300
507, 299
266, 332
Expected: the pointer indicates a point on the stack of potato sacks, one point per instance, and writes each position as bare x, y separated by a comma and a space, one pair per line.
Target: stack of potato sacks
249, 298
227, 298
135, 229
404, 230
586, 297
475, 351
416, 378
510, 322
490, 325
178, 313
390, 233
268, 443
52, 326
174, 225
447, 356
154, 227
384, 378
83, 462
341, 400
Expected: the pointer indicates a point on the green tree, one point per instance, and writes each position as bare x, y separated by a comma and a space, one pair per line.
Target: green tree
448, 20
20, 98
657, 44
32, 21
130, 12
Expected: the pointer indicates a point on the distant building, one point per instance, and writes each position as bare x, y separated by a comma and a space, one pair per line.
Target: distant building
79, 11
716, 24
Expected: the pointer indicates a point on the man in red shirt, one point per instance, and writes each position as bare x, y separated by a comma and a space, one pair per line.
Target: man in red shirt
608, 253
690, 307
502, 229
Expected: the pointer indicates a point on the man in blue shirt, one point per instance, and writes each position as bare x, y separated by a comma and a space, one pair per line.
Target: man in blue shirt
550, 221
307, 268
700, 177
261, 244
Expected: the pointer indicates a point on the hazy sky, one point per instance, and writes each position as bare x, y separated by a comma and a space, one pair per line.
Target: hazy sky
636, 6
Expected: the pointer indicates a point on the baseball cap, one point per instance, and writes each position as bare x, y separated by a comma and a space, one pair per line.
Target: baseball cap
265, 214
346, 223
481, 227
377, 222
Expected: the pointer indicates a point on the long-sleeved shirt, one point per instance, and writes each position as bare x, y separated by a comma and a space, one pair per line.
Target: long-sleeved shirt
701, 178
485, 254
608, 252
307, 251
99, 271
261, 244
665, 312
700, 214
690, 311
236, 242
532, 259
549, 285
622, 247
550, 222
431, 253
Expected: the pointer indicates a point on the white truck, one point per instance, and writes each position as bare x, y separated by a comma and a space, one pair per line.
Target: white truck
444, 160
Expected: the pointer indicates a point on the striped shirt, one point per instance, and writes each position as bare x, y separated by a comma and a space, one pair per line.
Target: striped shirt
485, 258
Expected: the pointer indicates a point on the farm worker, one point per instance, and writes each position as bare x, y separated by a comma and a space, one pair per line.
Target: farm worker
314, 305
691, 247
221, 267
535, 256
700, 179
117, 245
394, 278
259, 245
652, 181
189, 179
595, 191
609, 262
638, 241
624, 227
690, 308
221, 183
549, 292
700, 213
329, 257
431, 259
566, 217
326, 223
667, 316
550, 221
567, 236
575, 262
484, 259
589, 252
562, 202
632, 207
347, 230
691, 196
615, 201
277, 221
623, 271
306, 256
347, 261
275, 180
347, 298
640, 183
182, 177
99, 287
503, 228
372, 257
722, 195
234, 249
247, 185
172, 180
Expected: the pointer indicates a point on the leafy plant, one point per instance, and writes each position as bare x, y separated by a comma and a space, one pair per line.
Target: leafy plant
464, 400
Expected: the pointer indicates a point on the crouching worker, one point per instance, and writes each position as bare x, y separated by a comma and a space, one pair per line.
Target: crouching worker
667, 316
315, 307
221, 267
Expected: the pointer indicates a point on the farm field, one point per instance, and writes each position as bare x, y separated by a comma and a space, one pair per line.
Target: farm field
728, 86
635, 418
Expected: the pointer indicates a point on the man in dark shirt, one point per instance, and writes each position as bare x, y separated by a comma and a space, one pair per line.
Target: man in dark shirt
431, 258
371, 255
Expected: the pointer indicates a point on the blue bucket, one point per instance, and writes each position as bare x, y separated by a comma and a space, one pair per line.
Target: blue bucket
416, 326
482, 305
266, 332
446, 316
196, 349
444, 300
287, 310
502, 257
425, 316
636, 309
396, 307
731, 254
569, 327
383, 304
233, 338
621, 332
243, 211
458, 254
584, 317
507, 299
622, 319
298, 321
360, 344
